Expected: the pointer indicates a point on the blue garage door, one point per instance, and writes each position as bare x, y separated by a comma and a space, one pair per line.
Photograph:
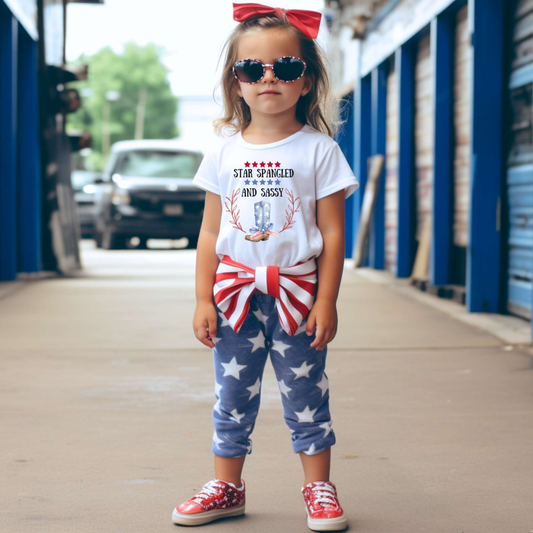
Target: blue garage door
520, 165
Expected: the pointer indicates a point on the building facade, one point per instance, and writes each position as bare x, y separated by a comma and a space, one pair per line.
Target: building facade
39, 230
444, 90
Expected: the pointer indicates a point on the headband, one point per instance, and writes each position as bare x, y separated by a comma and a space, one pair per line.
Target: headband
308, 22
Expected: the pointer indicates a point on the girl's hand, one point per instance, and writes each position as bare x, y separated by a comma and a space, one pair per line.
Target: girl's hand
323, 316
205, 317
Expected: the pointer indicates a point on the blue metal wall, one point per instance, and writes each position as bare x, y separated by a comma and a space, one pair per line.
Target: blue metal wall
362, 124
405, 68
376, 251
519, 209
345, 138
483, 282
20, 182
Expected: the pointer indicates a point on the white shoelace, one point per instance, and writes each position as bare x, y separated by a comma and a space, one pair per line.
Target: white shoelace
208, 489
324, 493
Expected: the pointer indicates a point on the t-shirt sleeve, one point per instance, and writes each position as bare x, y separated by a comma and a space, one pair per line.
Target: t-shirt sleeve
206, 176
333, 173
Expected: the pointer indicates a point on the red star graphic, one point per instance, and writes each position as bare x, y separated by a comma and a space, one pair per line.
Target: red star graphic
270, 163
278, 164
262, 164
246, 164
254, 164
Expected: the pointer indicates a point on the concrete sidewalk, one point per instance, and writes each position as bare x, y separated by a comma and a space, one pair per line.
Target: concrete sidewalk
106, 401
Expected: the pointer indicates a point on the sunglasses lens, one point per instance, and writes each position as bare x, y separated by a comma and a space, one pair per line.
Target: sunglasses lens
248, 71
288, 68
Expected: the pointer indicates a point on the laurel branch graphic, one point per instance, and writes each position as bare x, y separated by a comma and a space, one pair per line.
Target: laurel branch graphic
232, 209
292, 209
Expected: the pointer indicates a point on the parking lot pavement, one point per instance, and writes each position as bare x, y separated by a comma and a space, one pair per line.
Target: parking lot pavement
106, 401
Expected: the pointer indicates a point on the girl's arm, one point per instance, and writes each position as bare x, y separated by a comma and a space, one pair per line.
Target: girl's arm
323, 314
205, 315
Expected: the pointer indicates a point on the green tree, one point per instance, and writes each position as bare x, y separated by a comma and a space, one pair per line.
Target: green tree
140, 78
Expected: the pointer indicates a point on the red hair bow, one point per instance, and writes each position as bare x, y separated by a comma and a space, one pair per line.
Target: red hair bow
307, 22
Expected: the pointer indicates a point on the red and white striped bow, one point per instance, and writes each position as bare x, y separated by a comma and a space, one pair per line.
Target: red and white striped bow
293, 287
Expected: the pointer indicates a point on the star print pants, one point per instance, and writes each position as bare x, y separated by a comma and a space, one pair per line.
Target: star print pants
239, 361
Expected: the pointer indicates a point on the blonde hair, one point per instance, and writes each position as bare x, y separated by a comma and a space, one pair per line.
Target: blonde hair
318, 108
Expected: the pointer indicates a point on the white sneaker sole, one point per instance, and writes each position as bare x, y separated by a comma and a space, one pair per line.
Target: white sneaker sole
197, 519
327, 524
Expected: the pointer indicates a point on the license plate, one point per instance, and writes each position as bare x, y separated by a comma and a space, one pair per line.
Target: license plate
173, 210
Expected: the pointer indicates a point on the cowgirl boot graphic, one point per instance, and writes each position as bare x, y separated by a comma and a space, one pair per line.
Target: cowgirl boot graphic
262, 222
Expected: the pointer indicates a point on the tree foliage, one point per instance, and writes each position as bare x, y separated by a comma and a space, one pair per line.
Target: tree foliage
138, 68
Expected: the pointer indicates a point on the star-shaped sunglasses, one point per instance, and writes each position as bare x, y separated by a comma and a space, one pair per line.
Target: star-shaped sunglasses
286, 68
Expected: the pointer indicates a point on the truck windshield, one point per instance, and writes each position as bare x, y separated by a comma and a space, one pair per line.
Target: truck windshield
158, 164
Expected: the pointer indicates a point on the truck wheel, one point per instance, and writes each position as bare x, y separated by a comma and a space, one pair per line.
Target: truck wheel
97, 236
112, 241
193, 242
143, 245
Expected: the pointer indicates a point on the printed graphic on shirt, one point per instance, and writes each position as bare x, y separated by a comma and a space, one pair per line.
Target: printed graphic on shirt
256, 180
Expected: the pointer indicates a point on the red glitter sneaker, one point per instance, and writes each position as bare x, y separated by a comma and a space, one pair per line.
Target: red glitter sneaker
217, 499
324, 512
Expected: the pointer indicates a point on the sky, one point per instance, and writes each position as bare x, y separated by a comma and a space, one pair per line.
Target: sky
193, 33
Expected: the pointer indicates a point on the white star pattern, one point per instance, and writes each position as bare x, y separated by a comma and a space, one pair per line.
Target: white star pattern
279, 347
236, 416
302, 371
254, 389
291, 430
258, 342
260, 316
306, 415
216, 439
283, 388
224, 320
217, 407
311, 450
218, 388
233, 368
327, 427
323, 384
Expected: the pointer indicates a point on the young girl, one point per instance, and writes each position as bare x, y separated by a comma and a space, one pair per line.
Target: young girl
270, 255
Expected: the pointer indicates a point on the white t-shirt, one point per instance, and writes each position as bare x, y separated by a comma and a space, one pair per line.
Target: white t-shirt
273, 188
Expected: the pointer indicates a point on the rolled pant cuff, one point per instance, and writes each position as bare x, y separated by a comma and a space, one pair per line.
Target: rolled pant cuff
231, 454
315, 447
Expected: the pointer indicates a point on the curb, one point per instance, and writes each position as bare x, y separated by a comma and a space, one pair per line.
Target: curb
510, 329
24, 279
